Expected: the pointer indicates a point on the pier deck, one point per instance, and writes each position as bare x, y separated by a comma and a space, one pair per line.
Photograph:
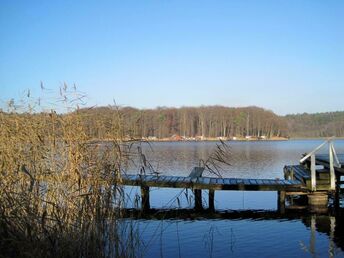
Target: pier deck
213, 183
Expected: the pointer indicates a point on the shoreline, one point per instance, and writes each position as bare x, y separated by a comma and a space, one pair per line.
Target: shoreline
274, 139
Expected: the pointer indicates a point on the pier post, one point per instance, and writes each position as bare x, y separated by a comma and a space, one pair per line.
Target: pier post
318, 201
198, 199
332, 173
211, 199
145, 198
313, 173
281, 201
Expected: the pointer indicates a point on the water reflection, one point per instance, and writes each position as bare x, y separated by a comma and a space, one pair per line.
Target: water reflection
185, 233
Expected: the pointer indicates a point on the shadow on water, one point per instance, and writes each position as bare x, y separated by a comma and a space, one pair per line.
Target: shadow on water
301, 233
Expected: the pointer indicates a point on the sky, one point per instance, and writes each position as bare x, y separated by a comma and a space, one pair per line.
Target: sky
285, 56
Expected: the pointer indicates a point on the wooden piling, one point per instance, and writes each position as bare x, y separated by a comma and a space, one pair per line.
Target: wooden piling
211, 199
313, 173
145, 197
318, 201
198, 199
281, 201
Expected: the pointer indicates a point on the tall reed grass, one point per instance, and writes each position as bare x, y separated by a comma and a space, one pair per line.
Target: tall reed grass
58, 189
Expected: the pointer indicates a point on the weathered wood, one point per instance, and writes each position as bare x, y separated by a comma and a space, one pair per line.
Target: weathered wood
247, 181
233, 181
145, 198
332, 175
313, 152
227, 181
206, 180
213, 183
174, 179
252, 181
219, 181
260, 181
198, 199
212, 180
180, 179
313, 174
150, 177
281, 201
211, 200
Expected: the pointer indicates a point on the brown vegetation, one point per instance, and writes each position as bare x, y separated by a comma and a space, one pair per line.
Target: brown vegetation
58, 192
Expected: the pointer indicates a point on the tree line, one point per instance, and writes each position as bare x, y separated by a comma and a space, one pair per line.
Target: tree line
201, 122
188, 122
316, 125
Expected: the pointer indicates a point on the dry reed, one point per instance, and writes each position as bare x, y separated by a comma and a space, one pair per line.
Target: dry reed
58, 189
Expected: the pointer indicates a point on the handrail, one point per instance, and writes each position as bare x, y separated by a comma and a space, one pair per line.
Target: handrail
333, 162
338, 165
315, 150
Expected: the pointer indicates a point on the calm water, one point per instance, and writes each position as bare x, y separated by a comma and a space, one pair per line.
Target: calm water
242, 233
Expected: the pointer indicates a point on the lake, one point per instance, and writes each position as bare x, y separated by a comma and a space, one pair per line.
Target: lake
245, 224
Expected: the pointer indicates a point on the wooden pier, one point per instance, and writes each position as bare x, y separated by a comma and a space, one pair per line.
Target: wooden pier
305, 179
197, 184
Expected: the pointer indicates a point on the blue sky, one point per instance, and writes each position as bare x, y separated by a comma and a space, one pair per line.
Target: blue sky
287, 56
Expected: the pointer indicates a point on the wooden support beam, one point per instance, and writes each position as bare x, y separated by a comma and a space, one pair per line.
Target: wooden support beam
313, 151
198, 199
211, 200
332, 174
313, 173
281, 201
145, 204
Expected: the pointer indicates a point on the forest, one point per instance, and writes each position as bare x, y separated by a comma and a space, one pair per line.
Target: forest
209, 122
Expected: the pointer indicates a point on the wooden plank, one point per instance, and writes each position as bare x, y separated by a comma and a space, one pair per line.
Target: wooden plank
253, 182
212, 181
180, 179
267, 181
280, 182
227, 181
174, 179
246, 181
160, 179
149, 178
234, 181
206, 180
194, 180
219, 181
239, 181
199, 180
259, 182
187, 179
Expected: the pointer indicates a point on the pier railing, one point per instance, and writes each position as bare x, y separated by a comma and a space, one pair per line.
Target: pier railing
333, 162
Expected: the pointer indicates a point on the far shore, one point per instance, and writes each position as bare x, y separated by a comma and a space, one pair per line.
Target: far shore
211, 139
